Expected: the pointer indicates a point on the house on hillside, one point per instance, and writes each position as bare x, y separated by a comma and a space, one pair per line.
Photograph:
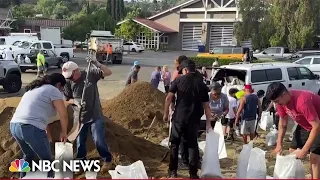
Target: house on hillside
6, 19
190, 24
47, 29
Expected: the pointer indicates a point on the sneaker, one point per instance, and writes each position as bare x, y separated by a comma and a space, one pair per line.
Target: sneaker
172, 174
194, 176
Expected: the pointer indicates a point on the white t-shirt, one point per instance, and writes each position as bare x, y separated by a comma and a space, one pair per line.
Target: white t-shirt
232, 104
8, 54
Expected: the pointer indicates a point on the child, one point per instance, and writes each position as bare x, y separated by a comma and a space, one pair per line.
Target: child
134, 64
232, 113
166, 77
156, 77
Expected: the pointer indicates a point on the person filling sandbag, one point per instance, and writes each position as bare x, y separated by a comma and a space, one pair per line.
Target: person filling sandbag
248, 112
91, 113
303, 107
192, 100
42, 100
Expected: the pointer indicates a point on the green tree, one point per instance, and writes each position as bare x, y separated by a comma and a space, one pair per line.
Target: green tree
130, 29
23, 11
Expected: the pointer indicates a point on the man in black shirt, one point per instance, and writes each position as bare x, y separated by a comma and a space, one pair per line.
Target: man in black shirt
192, 100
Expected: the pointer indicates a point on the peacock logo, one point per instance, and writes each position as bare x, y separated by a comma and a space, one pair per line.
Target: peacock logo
19, 166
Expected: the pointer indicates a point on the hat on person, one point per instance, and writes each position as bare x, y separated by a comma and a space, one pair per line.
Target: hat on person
186, 64
215, 86
68, 68
136, 63
248, 87
240, 94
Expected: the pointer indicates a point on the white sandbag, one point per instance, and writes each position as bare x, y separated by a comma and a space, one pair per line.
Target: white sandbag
288, 167
257, 168
269, 177
266, 120
133, 171
243, 161
36, 175
202, 145
91, 175
63, 151
271, 138
210, 165
27, 60
222, 150
165, 142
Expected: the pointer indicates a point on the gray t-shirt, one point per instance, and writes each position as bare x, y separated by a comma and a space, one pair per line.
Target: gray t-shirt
132, 75
219, 105
73, 90
36, 107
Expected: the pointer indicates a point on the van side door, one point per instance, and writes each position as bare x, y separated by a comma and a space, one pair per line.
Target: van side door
301, 78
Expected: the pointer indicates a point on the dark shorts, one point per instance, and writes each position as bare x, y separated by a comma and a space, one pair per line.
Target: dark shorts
300, 137
227, 122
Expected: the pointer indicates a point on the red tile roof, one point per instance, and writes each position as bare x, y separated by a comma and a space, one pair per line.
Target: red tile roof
154, 25
48, 22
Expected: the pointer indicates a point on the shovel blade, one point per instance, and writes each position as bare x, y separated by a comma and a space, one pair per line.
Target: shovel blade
74, 132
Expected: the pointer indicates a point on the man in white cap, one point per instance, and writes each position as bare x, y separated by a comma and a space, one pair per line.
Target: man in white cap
91, 114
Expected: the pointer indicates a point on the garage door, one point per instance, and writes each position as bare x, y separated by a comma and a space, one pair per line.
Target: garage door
221, 35
191, 36
51, 34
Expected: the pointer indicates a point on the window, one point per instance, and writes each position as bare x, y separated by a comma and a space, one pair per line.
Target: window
164, 39
47, 45
27, 30
278, 50
304, 73
271, 51
293, 74
304, 61
36, 46
51, 54
316, 60
266, 75
274, 74
259, 76
16, 43
2, 41
227, 51
237, 51
286, 50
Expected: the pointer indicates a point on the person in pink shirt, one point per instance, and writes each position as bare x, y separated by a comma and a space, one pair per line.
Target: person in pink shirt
166, 77
304, 108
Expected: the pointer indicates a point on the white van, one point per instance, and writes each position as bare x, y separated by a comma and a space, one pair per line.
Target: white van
15, 39
260, 75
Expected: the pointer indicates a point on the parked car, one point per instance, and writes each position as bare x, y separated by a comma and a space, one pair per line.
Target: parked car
10, 76
260, 75
133, 46
275, 53
311, 62
50, 57
26, 47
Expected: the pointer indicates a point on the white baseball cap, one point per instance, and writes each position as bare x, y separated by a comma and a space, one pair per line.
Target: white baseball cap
68, 68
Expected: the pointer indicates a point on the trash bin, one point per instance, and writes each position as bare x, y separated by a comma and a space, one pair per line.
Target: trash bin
201, 48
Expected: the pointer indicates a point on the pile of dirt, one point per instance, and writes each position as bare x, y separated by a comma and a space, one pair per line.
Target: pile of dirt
134, 109
124, 146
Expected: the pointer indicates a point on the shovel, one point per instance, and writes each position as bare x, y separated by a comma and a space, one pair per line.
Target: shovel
169, 144
77, 126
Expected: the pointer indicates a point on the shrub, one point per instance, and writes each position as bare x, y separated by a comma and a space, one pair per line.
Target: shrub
207, 61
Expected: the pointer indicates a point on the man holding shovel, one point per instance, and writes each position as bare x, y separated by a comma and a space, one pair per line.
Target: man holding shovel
89, 113
192, 100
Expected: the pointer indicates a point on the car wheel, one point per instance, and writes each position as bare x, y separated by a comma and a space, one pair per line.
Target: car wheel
23, 69
133, 50
65, 58
12, 83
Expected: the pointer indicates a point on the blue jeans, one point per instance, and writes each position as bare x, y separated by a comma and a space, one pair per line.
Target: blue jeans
32, 141
99, 139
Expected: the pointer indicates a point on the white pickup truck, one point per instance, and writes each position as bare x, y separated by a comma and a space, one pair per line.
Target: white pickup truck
26, 47
274, 53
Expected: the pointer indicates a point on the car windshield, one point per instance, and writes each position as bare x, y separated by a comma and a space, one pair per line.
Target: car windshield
2, 41
24, 45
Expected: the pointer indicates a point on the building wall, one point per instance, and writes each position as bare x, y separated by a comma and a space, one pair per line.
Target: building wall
210, 15
170, 19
